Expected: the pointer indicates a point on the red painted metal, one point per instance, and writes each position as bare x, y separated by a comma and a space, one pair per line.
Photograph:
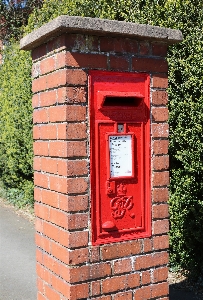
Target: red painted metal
120, 192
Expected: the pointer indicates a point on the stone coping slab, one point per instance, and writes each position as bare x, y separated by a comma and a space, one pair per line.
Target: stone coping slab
101, 27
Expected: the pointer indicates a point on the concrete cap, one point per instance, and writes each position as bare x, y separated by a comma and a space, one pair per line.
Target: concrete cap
101, 27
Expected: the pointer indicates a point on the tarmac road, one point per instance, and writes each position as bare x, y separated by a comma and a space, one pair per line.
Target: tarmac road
17, 257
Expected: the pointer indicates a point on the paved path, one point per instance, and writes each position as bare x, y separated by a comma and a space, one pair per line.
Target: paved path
17, 257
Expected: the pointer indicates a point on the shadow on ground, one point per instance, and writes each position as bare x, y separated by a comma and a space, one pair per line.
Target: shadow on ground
184, 291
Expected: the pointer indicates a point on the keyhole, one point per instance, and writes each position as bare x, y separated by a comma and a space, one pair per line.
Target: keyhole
120, 128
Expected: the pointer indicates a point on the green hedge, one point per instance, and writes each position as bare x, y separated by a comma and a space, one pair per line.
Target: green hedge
16, 125
185, 105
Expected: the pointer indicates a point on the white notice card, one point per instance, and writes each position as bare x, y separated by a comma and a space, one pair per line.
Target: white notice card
120, 148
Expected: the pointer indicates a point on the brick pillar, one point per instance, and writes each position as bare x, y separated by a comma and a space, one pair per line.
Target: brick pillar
68, 265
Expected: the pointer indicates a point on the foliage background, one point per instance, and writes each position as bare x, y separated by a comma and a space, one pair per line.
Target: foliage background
185, 105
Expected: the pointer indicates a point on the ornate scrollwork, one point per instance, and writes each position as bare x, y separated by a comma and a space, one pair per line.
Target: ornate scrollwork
119, 205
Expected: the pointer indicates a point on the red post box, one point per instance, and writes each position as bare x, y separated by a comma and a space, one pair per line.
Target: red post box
120, 156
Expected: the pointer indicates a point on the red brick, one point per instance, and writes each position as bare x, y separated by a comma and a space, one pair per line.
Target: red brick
92, 43
43, 242
160, 289
160, 147
75, 41
160, 195
37, 194
143, 293
39, 84
78, 256
63, 237
149, 65
56, 44
144, 48
48, 98
160, 211
60, 285
114, 284
84, 60
50, 198
40, 116
161, 163
133, 280
73, 203
160, 274
59, 218
102, 298
57, 113
100, 270
160, 81
160, 226
159, 49
56, 79
120, 250
79, 291
49, 165
161, 178
122, 266
39, 225
94, 253
77, 185
79, 274
39, 256
124, 296
118, 45
78, 239
51, 230
36, 132
160, 258
41, 148
73, 167
58, 184
76, 149
119, 63
144, 262
35, 101
40, 286
95, 288
76, 113
41, 211
159, 98
160, 130
51, 263
159, 114
39, 51
146, 277
75, 76
77, 221
60, 252
161, 242
76, 131
47, 65
51, 294
147, 245
62, 131
71, 95
41, 180
58, 148
43, 273
48, 132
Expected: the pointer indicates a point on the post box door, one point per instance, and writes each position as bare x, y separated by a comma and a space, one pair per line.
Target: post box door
119, 126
